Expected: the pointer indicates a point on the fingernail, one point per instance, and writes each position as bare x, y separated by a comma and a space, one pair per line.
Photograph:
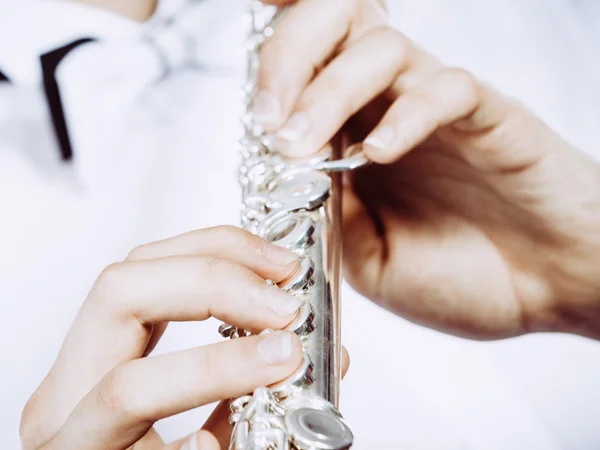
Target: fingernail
275, 347
295, 129
266, 109
191, 443
381, 138
278, 255
281, 303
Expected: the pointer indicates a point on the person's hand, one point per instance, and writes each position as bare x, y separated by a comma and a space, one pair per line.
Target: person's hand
104, 392
477, 219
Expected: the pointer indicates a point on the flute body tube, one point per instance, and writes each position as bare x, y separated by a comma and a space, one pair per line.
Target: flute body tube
296, 206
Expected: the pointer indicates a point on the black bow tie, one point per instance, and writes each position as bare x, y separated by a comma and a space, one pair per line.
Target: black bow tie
50, 62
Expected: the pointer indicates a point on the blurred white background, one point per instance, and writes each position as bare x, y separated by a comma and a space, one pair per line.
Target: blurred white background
172, 169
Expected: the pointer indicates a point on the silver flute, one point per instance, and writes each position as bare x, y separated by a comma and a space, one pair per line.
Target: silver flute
296, 206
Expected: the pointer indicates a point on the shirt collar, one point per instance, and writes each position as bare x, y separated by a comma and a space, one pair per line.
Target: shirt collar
33, 28
216, 27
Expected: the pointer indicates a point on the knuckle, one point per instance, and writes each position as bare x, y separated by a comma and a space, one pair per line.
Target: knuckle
110, 288
422, 102
275, 50
139, 252
338, 86
222, 268
111, 275
231, 236
28, 425
250, 244
220, 265
110, 394
275, 47
397, 45
234, 279
227, 230
463, 83
121, 293
117, 395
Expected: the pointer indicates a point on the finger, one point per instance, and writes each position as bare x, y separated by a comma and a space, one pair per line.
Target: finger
129, 399
379, 5
202, 440
151, 441
290, 58
352, 80
218, 422
278, 2
345, 362
158, 329
453, 102
260, 256
184, 288
115, 323
264, 258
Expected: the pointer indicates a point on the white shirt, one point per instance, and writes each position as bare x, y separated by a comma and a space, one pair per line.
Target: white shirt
154, 157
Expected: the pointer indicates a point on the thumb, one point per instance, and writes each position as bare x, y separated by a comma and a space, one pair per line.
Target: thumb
218, 424
363, 244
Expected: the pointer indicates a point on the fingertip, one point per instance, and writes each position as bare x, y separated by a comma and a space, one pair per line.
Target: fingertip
283, 354
267, 110
377, 154
378, 146
218, 424
297, 349
293, 138
296, 344
206, 441
345, 361
291, 150
296, 354
280, 349
201, 440
279, 256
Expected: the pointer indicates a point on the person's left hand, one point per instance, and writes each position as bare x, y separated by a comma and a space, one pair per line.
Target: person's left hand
105, 392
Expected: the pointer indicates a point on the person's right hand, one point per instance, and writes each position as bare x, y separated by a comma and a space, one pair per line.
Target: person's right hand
477, 218
103, 393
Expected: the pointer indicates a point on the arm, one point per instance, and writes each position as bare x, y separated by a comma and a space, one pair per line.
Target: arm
139, 10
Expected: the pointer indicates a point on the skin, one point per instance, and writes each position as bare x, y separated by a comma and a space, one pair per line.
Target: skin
476, 218
139, 10
104, 391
